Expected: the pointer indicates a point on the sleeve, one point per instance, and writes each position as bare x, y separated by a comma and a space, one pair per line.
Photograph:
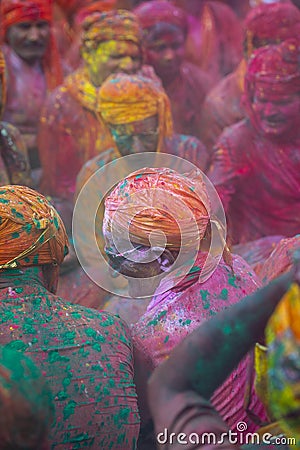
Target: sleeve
188, 420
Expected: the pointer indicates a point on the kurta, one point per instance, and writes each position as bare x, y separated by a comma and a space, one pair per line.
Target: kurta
186, 93
86, 357
171, 316
258, 181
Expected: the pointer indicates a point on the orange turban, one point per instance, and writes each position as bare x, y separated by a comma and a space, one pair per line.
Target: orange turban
154, 200
17, 11
129, 98
120, 25
31, 231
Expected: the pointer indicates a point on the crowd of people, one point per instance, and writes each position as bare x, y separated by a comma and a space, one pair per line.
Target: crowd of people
207, 337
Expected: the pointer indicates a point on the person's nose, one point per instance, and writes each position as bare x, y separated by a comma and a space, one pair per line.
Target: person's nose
33, 33
269, 109
169, 54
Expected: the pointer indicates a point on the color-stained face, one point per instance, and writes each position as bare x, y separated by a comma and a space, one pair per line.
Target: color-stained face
29, 39
136, 137
276, 113
165, 50
112, 57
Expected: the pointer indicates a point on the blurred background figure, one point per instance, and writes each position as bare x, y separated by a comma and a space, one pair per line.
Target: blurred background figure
26, 403
255, 166
265, 24
165, 30
32, 63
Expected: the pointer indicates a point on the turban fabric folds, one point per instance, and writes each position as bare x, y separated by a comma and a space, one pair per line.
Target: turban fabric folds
145, 202
271, 24
31, 231
154, 12
120, 25
95, 7
283, 341
18, 11
129, 98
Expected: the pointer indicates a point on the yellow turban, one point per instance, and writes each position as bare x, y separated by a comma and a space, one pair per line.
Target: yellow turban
129, 98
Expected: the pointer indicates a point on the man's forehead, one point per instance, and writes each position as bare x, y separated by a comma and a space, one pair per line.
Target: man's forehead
113, 46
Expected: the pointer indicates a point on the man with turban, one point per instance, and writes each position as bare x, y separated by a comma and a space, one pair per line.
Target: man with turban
165, 29
137, 112
266, 24
179, 390
33, 65
72, 130
14, 162
68, 27
85, 355
255, 165
145, 204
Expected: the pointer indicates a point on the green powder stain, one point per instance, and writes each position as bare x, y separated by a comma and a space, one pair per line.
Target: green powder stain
224, 294
62, 396
186, 322
69, 409
166, 339
54, 356
27, 228
66, 382
76, 315
231, 281
5, 202
205, 298
97, 347
19, 290
15, 235
17, 345
17, 214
